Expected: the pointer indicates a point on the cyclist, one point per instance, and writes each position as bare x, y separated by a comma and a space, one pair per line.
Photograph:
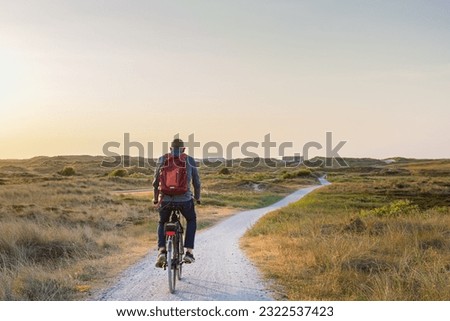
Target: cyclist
185, 202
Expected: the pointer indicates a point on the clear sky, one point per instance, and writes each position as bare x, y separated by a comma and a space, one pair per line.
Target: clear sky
75, 75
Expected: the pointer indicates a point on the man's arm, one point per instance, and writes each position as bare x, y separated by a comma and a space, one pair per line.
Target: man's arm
195, 180
156, 180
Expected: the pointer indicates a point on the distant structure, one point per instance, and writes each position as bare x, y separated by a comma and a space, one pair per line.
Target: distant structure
292, 160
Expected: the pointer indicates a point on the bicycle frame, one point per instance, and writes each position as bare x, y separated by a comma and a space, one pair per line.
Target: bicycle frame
175, 249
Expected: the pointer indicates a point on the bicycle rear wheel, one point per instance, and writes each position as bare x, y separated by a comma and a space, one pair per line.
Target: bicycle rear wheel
170, 271
175, 262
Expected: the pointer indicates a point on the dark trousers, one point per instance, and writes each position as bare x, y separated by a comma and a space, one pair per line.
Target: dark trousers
188, 211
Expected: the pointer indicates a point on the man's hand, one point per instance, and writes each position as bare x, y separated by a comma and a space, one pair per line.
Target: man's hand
155, 197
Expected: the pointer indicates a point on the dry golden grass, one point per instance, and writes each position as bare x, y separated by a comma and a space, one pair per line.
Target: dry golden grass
63, 236
48, 228
390, 259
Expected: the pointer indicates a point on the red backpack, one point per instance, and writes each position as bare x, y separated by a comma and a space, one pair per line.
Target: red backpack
173, 175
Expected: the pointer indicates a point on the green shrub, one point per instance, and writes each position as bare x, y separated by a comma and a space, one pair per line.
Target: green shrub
67, 171
120, 172
298, 173
394, 209
224, 171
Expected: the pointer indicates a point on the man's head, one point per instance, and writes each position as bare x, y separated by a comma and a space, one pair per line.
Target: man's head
177, 146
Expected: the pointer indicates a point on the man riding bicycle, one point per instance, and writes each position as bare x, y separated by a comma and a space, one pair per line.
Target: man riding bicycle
184, 201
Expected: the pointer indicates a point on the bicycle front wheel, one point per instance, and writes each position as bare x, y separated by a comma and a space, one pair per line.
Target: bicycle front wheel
180, 255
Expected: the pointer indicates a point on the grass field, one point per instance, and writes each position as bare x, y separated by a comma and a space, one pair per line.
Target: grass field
379, 232
65, 230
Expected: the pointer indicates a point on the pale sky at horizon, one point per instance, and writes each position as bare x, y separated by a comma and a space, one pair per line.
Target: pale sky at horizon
77, 74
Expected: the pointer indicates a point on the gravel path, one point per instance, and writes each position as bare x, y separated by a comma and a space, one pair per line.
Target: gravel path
221, 271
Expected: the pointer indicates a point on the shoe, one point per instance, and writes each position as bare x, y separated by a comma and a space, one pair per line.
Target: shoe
161, 260
189, 258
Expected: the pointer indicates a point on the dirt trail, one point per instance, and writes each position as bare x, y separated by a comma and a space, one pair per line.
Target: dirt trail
221, 271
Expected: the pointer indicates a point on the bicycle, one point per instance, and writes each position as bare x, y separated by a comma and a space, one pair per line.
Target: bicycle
174, 232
